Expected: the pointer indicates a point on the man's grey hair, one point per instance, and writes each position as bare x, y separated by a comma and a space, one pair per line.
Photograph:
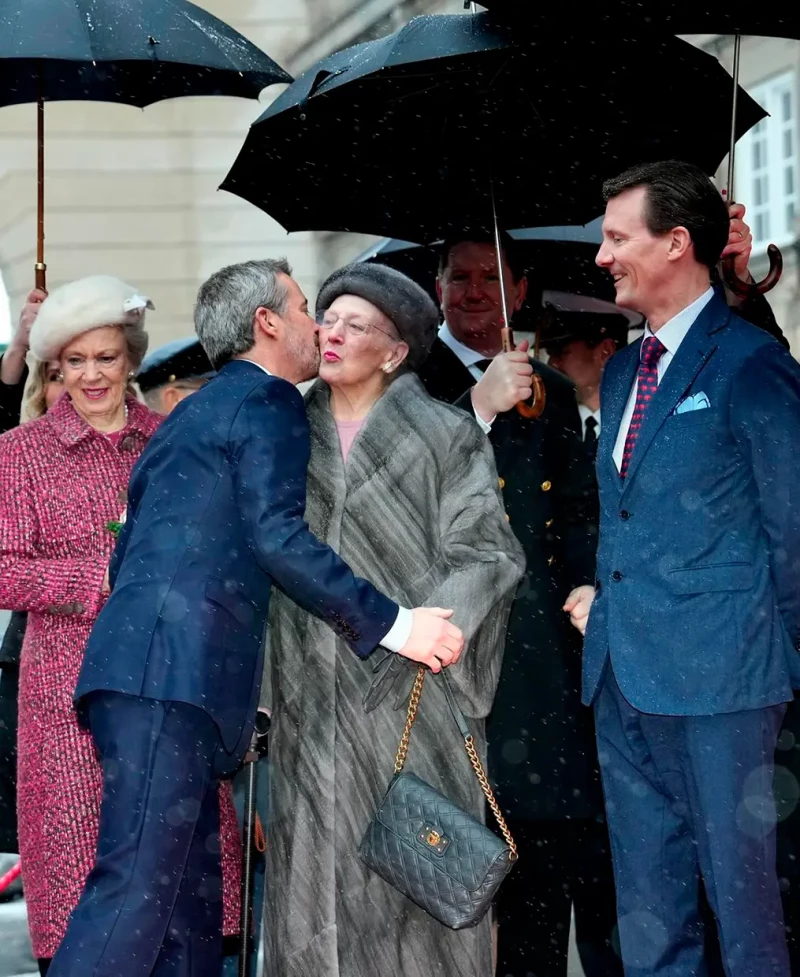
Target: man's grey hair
227, 304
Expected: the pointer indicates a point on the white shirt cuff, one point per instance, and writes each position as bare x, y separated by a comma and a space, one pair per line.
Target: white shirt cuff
400, 631
485, 426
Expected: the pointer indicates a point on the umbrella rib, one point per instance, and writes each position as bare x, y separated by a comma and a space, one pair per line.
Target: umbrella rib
86, 21
223, 43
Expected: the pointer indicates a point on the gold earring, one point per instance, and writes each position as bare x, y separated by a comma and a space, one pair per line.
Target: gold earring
387, 367
131, 374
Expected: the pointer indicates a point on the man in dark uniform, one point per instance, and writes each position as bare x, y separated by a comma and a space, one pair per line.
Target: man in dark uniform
172, 372
540, 744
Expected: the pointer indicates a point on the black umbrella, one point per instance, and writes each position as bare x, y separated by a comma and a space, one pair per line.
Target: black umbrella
780, 18
131, 51
412, 135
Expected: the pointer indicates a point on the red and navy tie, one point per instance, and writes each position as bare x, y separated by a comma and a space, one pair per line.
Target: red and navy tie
652, 351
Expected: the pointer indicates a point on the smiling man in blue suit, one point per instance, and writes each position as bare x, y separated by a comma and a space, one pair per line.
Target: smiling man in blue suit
693, 625
171, 675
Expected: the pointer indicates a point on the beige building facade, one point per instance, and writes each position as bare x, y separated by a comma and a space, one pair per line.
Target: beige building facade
134, 193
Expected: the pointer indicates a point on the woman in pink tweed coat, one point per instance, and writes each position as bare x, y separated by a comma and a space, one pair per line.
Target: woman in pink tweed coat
63, 479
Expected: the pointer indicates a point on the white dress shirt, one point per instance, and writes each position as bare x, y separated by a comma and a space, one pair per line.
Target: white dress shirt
586, 413
671, 335
469, 358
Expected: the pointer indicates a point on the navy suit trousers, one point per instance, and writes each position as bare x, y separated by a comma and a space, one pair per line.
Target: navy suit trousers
690, 798
152, 904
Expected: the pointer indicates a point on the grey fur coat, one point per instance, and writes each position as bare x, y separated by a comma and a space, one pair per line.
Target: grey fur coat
417, 511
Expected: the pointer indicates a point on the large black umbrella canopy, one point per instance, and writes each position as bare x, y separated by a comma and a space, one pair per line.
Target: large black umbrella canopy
135, 52
781, 18
131, 51
407, 136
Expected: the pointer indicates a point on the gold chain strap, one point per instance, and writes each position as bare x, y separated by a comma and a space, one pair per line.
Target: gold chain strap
472, 753
413, 706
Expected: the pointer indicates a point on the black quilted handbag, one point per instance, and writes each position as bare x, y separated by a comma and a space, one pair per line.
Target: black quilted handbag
427, 847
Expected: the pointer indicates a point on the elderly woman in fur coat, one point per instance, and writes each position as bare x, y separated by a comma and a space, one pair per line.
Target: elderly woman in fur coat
63, 481
405, 488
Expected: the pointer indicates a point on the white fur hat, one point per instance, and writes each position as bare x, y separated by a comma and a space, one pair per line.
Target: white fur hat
88, 303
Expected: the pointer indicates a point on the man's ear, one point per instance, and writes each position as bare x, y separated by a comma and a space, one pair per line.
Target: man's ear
680, 242
607, 349
522, 292
266, 322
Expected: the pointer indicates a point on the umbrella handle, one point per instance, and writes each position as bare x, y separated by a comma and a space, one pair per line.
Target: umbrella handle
746, 290
536, 407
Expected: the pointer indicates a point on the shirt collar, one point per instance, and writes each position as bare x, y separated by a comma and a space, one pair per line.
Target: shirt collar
469, 357
245, 359
673, 332
585, 412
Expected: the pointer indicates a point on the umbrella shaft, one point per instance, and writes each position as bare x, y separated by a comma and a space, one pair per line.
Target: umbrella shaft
246, 918
737, 48
500, 276
40, 265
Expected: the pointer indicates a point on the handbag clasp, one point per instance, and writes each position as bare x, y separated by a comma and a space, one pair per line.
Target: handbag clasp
432, 837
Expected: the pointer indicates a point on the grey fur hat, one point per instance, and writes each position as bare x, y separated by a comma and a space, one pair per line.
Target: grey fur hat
400, 299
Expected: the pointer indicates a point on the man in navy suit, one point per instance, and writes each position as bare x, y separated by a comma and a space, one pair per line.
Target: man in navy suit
170, 680
692, 627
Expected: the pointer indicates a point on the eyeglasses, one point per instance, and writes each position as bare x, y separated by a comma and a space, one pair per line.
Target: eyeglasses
354, 327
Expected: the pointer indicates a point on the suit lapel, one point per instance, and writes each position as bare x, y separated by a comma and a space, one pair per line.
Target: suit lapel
692, 355
614, 400
443, 374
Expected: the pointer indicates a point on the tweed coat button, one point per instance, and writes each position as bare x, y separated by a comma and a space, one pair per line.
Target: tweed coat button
52, 609
77, 607
127, 443
546, 486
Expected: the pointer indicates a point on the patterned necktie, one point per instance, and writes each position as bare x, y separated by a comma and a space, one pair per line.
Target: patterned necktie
590, 437
652, 351
483, 365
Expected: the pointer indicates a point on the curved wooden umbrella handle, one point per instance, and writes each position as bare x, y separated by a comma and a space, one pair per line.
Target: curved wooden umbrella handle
536, 406
746, 290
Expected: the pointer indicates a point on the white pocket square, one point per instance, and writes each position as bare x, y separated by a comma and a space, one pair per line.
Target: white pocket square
697, 401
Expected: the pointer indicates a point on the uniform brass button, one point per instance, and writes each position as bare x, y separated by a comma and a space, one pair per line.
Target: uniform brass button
551, 561
549, 523
508, 518
546, 486
501, 482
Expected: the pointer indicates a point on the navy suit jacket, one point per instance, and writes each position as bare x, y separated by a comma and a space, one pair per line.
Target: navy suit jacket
698, 568
215, 518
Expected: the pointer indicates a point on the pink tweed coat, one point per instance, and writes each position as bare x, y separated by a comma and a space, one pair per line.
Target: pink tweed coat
61, 482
